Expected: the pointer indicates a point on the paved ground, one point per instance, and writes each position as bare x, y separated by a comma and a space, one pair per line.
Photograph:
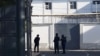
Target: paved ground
69, 53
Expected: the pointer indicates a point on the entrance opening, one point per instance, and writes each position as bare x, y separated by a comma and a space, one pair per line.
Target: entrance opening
43, 31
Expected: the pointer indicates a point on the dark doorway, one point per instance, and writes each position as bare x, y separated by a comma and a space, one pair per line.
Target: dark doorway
71, 31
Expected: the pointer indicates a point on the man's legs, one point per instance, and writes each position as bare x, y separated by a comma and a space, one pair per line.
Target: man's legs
35, 48
63, 47
57, 48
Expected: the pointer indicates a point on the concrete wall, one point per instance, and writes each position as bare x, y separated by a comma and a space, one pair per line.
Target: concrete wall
71, 31
63, 7
60, 19
89, 36
62, 24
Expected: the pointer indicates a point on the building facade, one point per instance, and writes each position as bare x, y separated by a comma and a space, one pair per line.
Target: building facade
62, 17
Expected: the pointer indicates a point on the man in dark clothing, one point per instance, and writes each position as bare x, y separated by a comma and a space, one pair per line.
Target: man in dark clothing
56, 43
36, 42
63, 43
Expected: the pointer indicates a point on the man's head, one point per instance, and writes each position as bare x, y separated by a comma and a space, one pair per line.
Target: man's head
37, 35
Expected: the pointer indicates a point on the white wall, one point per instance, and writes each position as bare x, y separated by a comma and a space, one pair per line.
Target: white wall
43, 31
59, 19
59, 8
63, 7
84, 6
37, 8
90, 36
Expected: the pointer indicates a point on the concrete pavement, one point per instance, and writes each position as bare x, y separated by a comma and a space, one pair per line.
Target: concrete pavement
68, 53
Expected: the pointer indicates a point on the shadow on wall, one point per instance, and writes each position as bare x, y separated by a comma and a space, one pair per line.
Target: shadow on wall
71, 31
8, 31
88, 8
90, 38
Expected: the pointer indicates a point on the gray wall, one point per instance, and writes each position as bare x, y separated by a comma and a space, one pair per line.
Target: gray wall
8, 46
71, 31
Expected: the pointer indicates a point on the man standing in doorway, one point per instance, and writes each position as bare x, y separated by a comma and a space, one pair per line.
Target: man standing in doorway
36, 42
56, 43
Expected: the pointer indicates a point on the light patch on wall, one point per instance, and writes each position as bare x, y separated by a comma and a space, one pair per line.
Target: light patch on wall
87, 28
91, 33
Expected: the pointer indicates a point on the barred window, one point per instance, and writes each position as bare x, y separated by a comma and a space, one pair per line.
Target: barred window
73, 5
48, 5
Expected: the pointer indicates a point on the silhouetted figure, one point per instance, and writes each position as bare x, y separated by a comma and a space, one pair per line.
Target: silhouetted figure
36, 42
56, 43
63, 43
